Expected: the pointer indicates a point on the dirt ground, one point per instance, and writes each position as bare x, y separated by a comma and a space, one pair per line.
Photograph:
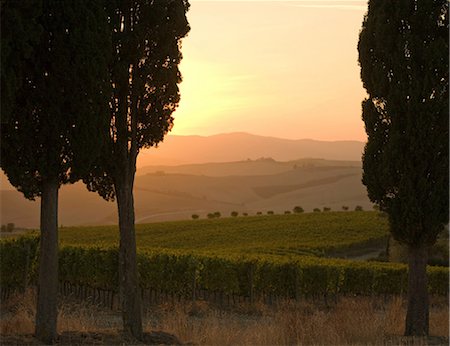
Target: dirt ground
94, 338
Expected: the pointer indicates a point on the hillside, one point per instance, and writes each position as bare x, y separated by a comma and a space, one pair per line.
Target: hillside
270, 235
260, 166
175, 193
177, 150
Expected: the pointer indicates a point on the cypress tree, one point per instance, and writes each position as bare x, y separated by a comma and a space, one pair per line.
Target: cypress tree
51, 134
146, 42
403, 53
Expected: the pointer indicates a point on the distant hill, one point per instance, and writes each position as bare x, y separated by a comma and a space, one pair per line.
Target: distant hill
176, 150
261, 166
177, 192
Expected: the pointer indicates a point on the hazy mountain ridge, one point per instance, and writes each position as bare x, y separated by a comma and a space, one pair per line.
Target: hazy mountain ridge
177, 150
245, 173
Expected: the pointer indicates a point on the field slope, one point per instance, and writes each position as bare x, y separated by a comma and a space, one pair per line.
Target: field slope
280, 235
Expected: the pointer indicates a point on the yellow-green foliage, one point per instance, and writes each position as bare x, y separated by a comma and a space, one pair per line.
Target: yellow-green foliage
271, 255
278, 235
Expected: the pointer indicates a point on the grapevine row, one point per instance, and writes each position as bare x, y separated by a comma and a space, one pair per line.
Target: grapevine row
180, 273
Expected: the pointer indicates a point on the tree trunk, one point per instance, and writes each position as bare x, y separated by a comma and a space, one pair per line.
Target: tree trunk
417, 316
47, 309
129, 286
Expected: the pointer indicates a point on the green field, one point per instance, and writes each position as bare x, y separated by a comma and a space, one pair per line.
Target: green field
278, 235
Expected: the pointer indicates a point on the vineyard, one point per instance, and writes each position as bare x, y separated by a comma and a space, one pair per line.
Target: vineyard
282, 256
276, 235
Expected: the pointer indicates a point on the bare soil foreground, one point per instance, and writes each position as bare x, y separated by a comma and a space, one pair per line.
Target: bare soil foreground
352, 321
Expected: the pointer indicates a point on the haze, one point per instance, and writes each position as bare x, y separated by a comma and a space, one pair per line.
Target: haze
266, 76
285, 69
257, 174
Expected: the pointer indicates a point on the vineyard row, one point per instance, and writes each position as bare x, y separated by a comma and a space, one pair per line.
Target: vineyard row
182, 274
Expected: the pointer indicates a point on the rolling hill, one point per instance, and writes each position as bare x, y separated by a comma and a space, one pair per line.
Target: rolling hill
176, 192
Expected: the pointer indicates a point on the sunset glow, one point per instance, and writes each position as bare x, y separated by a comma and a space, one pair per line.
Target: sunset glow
281, 68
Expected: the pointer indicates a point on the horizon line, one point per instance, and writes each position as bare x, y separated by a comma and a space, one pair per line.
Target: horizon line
266, 136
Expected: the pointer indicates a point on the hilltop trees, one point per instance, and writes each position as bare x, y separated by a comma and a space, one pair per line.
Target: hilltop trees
50, 125
144, 77
403, 53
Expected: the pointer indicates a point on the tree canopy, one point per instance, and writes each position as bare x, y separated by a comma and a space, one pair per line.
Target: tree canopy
146, 44
55, 115
20, 32
403, 53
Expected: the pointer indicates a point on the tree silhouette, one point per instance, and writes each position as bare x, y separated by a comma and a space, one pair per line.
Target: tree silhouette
49, 134
144, 73
403, 53
298, 210
21, 32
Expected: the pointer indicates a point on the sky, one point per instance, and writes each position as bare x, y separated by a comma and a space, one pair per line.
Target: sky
285, 69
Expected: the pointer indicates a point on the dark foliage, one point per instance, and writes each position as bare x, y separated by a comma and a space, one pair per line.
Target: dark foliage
144, 79
54, 100
403, 53
20, 33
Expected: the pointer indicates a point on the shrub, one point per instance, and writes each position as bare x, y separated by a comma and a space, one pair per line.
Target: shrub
234, 213
258, 213
298, 210
345, 207
9, 227
217, 214
270, 212
326, 209
358, 208
316, 210
195, 216
287, 212
210, 216
245, 214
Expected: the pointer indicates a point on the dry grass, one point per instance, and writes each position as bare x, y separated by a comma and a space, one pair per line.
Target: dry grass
353, 321
18, 313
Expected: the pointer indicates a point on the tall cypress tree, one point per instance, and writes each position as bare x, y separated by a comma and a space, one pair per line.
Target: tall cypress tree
53, 120
146, 42
403, 53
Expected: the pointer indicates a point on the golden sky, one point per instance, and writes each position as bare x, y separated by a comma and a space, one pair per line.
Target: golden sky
286, 69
